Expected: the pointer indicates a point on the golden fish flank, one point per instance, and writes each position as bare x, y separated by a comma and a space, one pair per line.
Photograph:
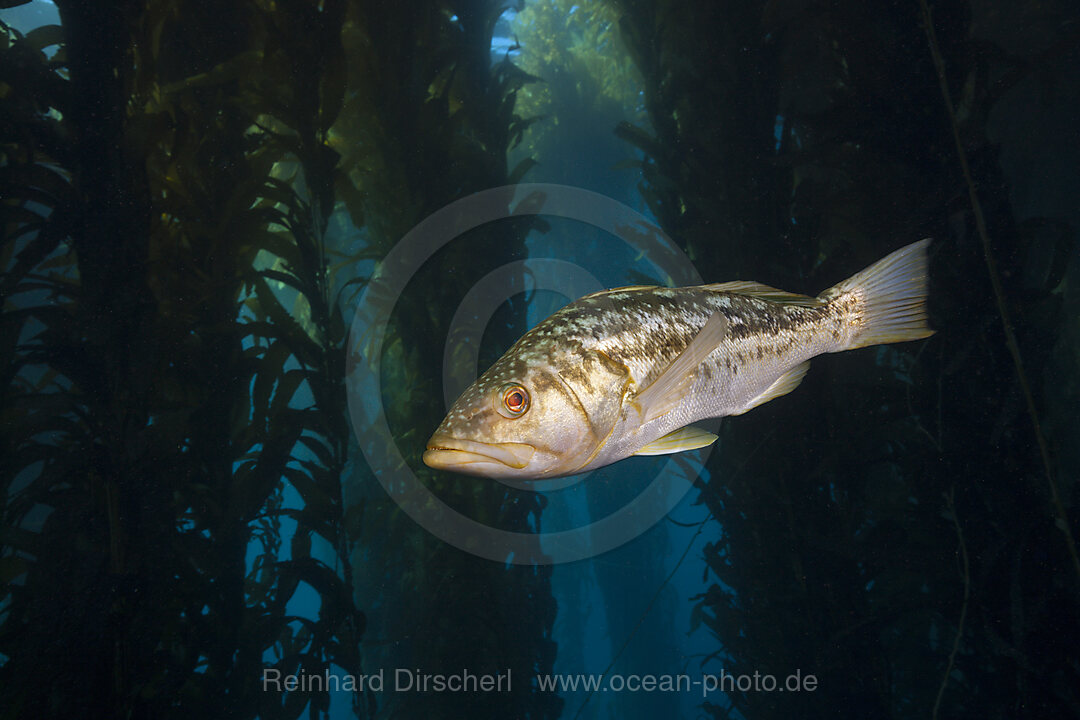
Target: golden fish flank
625, 372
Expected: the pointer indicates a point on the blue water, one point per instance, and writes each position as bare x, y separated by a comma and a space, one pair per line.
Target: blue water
928, 451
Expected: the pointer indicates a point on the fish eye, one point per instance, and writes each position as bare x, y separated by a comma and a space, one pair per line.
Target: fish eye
515, 401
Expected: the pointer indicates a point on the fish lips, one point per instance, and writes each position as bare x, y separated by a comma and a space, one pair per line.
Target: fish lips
469, 457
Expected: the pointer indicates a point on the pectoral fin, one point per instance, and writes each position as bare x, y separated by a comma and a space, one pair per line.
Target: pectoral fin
781, 386
685, 438
665, 393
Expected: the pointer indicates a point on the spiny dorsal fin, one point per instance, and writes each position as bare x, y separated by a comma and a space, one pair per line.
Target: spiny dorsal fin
756, 289
627, 288
667, 390
685, 438
781, 386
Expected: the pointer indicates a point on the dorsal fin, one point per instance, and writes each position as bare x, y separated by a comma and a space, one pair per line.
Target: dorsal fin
627, 288
756, 289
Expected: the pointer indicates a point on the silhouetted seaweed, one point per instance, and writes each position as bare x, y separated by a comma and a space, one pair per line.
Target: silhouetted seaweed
428, 119
816, 141
158, 398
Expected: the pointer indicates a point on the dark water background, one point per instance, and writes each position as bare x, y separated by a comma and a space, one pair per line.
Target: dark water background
197, 195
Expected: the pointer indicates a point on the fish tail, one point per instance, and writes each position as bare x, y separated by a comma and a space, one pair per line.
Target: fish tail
888, 298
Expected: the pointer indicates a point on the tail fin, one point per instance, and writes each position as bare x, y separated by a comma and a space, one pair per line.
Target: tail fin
893, 294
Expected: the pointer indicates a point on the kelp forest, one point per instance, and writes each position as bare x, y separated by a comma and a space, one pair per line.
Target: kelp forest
195, 195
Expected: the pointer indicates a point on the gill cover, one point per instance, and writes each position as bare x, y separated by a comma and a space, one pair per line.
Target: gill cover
600, 386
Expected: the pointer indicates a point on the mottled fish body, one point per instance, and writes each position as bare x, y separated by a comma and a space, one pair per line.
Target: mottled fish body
627, 371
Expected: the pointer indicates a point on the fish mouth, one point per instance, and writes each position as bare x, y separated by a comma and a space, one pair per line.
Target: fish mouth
449, 453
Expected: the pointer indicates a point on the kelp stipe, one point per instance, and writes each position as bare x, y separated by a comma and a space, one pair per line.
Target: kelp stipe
157, 411
802, 147
428, 118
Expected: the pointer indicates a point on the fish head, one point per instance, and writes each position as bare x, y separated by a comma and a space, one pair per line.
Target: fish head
524, 419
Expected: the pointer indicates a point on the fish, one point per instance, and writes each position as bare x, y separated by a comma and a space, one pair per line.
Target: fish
627, 371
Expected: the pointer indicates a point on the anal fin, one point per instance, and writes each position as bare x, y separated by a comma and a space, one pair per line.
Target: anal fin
685, 438
781, 386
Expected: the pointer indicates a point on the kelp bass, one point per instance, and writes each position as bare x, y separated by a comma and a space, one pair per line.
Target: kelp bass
626, 371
